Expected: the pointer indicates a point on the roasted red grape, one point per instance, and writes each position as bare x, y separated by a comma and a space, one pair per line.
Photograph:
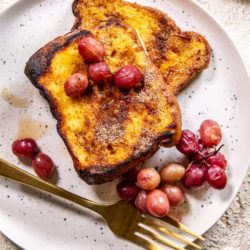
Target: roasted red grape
148, 179
172, 172
76, 85
141, 201
210, 133
43, 166
217, 160
216, 177
188, 143
202, 152
26, 148
194, 176
157, 203
127, 191
91, 49
175, 195
127, 77
99, 73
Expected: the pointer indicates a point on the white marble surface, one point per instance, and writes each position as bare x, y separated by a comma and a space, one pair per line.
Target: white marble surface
231, 232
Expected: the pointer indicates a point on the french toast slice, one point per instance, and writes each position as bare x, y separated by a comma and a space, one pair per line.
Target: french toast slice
179, 55
107, 131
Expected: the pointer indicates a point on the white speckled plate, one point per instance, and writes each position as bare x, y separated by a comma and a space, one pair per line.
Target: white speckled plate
37, 221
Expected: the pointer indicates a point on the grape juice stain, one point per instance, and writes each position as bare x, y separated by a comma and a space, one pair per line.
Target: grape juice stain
28, 127
14, 100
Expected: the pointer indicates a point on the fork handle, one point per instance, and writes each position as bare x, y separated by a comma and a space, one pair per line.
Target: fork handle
10, 171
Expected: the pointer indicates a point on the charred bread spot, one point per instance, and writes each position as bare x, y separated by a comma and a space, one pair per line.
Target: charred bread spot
160, 45
38, 64
75, 8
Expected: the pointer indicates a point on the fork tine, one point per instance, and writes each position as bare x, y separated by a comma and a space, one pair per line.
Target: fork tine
150, 222
163, 240
179, 225
137, 239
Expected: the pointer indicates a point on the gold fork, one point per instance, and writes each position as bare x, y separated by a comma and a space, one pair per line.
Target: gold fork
122, 218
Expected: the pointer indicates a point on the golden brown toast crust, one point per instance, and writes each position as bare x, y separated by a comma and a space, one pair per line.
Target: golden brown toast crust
180, 56
148, 115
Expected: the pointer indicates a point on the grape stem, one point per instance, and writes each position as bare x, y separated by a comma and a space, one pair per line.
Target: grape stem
189, 165
216, 151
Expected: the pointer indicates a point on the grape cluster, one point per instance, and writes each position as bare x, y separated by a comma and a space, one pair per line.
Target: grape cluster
153, 192
206, 162
41, 163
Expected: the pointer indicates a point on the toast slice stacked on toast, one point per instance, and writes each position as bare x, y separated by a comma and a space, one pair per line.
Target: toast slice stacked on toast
107, 131
179, 55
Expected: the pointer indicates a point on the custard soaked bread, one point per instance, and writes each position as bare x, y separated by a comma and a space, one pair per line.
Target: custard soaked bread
107, 131
179, 55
